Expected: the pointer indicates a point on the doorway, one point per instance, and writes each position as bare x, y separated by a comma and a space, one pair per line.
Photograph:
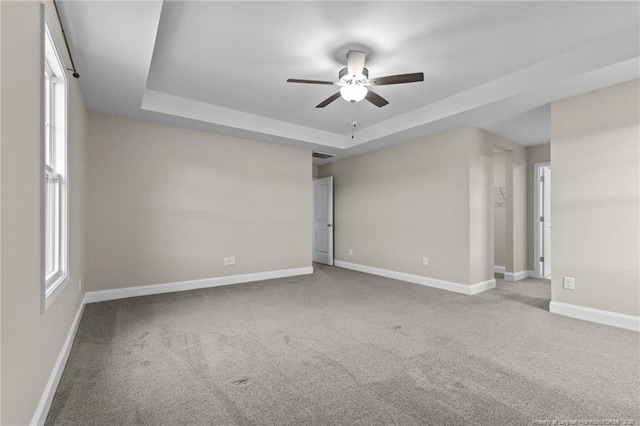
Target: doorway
542, 220
500, 245
323, 220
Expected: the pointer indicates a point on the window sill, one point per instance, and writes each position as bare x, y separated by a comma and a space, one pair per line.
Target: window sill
56, 287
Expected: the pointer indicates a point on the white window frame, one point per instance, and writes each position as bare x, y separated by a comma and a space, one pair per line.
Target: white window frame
54, 169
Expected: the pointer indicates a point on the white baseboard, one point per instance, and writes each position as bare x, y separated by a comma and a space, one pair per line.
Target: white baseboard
417, 279
614, 319
145, 290
517, 276
42, 410
499, 269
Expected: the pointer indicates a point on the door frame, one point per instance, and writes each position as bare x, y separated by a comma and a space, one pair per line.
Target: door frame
329, 224
537, 238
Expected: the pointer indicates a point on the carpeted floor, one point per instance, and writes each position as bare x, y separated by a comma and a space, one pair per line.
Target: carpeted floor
342, 347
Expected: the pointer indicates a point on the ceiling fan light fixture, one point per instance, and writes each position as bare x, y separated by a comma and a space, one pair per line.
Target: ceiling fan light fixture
353, 92
354, 82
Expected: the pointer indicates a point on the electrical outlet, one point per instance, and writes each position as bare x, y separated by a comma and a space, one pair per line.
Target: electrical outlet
569, 283
425, 261
225, 261
350, 252
80, 284
232, 260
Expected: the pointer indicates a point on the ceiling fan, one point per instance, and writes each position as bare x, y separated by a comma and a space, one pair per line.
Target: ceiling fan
354, 82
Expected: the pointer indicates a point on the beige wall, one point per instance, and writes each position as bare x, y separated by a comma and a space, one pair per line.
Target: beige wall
500, 209
595, 198
166, 204
535, 154
429, 197
1, 102
31, 341
481, 241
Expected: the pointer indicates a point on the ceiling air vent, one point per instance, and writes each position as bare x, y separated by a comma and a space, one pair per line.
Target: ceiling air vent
322, 155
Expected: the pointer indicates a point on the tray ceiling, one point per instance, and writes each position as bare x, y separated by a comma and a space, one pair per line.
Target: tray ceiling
222, 66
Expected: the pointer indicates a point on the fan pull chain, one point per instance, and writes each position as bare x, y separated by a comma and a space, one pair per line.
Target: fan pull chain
353, 119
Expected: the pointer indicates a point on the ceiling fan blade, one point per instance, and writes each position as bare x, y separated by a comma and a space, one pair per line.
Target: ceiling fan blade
376, 99
297, 80
397, 79
328, 100
355, 62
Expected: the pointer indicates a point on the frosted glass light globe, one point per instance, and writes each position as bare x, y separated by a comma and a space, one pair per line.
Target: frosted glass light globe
353, 92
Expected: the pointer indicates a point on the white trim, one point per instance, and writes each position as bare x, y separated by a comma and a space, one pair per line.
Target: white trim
536, 217
468, 289
614, 319
517, 276
145, 290
50, 290
499, 269
42, 410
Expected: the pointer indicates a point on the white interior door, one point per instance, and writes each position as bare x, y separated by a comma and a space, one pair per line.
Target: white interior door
546, 222
323, 220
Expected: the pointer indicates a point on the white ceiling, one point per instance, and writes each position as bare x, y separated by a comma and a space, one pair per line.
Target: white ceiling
222, 66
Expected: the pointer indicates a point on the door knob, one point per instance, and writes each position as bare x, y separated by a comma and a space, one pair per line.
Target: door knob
329, 225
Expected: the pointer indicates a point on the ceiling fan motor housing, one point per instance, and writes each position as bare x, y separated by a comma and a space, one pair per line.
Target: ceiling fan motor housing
344, 77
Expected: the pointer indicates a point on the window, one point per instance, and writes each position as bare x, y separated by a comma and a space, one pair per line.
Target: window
54, 165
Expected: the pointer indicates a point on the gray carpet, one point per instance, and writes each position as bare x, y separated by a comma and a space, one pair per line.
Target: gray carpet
342, 347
